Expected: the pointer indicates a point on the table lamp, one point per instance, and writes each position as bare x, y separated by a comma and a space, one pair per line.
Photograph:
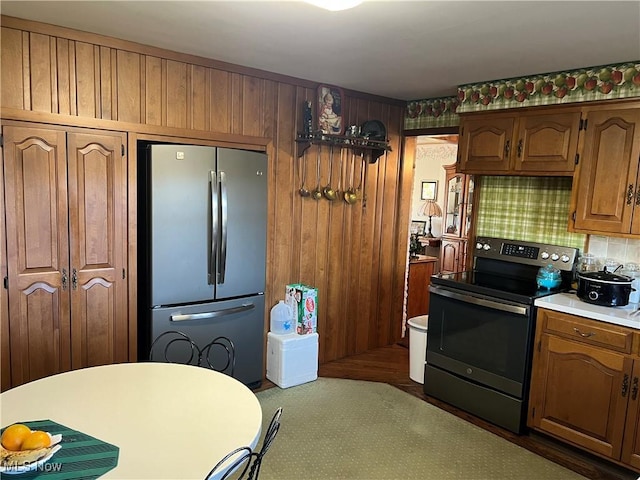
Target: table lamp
430, 209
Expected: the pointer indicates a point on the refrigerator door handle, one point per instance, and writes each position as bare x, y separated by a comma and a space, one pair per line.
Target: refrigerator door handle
213, 234
222, 265
218, 313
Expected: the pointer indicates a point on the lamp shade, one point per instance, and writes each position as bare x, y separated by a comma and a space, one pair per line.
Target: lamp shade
430, 209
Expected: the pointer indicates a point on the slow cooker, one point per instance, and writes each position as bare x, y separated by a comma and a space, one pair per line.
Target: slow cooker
604, 288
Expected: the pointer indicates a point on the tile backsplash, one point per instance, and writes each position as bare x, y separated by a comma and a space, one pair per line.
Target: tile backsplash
623, 250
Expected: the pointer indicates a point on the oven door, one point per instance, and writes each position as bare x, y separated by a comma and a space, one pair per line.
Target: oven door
481, 339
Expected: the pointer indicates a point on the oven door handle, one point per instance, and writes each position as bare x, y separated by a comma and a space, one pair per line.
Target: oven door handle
483, 302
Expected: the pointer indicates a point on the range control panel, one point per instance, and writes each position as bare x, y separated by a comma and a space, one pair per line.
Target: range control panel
530, 253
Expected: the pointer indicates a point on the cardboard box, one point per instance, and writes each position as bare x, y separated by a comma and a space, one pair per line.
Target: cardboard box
303, 301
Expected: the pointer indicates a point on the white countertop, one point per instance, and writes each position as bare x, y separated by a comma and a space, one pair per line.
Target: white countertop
627, 316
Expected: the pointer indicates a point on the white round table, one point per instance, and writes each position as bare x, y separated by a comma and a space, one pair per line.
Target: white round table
170, 421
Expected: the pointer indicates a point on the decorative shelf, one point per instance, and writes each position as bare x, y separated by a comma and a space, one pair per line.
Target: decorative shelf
375, 147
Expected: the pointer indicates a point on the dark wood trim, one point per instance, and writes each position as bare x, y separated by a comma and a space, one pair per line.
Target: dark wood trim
418, 132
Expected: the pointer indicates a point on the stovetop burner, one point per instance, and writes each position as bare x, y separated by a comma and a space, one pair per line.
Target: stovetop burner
507, 269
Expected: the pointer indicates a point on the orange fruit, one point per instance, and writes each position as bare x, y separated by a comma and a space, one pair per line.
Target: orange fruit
37, 439
14, 435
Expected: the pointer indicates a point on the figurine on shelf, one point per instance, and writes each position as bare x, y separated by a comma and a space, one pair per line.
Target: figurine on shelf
330, 110
414, 246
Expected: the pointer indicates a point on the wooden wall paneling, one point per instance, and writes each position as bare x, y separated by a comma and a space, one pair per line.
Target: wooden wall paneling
403, 189
253, 106
153, 91
236, 104
63, 79
5, 345
387, 252
175, 97
220, 103
129, 86
108, 90
12, 75
322, 230
87, 68
269, 117
41, 72
282, 230
198, 86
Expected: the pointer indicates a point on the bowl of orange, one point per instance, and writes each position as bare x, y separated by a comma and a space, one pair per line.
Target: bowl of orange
23, 449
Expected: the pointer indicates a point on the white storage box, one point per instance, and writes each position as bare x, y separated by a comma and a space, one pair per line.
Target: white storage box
292, 359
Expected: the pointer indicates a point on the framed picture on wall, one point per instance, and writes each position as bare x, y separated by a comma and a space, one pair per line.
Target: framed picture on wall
417, 227
429, 190
330, 112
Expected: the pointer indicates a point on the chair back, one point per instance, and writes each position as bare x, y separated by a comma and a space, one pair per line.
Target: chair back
269, 437
174, 346
239, 459
220, 355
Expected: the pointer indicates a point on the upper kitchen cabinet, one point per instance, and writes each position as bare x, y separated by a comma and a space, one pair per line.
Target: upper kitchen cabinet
66, 215
537, 142
607, 191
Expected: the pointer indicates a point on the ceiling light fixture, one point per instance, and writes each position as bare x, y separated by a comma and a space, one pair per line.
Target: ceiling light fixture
335, 5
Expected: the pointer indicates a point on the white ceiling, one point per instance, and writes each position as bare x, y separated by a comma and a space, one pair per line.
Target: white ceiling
406, 50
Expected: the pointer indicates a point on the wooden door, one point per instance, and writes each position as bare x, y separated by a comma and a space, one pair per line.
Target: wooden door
5, 346
577, 394
547, 143
609, 172
485, 143
97, 226
35, 184
631, 444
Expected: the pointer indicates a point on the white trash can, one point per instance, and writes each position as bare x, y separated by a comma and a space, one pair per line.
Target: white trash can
417, 347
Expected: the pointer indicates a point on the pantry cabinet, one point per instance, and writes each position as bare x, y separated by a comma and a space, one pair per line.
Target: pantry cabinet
536, 142
607, 188
66, 217
584, 385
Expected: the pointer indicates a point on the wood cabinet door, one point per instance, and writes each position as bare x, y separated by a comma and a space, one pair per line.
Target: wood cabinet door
450, 255
577, 394
606, 183
418, 288
485, 143
97, 227
631, 448
547, 143
35, 184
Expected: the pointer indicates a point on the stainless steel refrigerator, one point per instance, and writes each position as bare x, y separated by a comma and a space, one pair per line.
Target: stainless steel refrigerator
202, 234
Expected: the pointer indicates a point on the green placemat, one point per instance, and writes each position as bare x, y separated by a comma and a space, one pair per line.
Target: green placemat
81, 456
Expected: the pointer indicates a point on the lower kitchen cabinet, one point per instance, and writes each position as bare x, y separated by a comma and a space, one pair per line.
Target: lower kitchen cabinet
420, 272
66, 217
584, 385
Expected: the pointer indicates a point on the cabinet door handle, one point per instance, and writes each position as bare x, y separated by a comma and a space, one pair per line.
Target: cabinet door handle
507, 148
520, 148
74, 279
630, 194
64, 279
625, 385
638, 196
634, 389
584, 335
